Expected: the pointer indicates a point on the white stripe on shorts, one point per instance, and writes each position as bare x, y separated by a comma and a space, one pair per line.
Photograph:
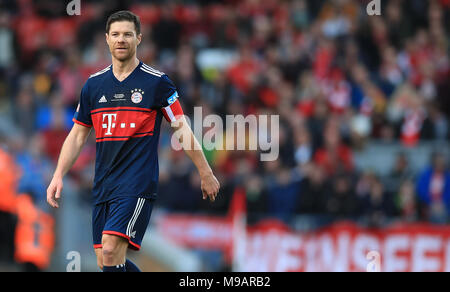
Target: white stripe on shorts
137, 211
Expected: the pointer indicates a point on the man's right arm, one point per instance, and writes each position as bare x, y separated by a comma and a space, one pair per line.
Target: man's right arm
69, 153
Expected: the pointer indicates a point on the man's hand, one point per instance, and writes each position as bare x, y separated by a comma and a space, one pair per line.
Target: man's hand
69, 153
210, 186
54, 191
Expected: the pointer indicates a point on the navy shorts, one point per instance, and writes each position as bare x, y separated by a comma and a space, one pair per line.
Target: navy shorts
127, 217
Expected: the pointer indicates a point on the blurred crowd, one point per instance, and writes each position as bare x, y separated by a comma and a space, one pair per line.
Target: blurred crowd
338, 78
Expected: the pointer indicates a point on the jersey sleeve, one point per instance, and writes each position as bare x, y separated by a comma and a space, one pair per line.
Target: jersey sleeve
167, 100
83, 114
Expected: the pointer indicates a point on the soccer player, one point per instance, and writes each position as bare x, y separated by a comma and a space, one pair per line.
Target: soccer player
125, 103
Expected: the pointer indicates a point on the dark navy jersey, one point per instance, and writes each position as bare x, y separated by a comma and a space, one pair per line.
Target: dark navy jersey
126, 116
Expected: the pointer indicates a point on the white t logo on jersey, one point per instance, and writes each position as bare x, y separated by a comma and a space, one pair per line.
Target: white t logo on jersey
110, 123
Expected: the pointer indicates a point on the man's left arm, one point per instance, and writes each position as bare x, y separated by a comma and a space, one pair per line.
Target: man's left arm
209, 184
173, 113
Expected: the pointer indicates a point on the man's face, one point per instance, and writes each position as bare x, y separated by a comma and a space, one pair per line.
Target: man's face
122, 40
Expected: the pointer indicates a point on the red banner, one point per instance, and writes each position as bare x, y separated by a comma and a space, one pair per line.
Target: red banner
273, 246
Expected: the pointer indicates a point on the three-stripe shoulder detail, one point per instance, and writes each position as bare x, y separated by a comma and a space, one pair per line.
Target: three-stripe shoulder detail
151, 71
101, 72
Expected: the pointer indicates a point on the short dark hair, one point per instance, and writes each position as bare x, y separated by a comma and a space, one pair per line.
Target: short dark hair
124, 15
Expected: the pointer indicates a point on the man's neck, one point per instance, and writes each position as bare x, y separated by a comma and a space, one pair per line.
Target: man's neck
122, 69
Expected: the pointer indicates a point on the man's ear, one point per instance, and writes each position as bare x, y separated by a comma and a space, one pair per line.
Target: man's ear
139, 38
107, 37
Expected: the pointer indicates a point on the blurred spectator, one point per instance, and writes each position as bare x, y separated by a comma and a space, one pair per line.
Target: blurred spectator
286, 147
303, 146
316, 124
243, 74
283, 193
42, 75
334, 156
7, 41
167, 31
337, 91
54, 114
257, 204
435, 125
35, 171
97, 52
400, 172
299, 14
9, 175
307, 94
338, 17
314, 191
377, 205
343, 202
187, 75
57, 130
181, 191
400, 27
433, 189
25, 111
70, 79
406, 202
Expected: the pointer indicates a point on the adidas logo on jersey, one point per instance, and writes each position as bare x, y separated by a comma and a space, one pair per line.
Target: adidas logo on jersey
102, 99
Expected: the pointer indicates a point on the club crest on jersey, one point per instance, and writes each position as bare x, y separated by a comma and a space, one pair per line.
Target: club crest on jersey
136, 95
172, 98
